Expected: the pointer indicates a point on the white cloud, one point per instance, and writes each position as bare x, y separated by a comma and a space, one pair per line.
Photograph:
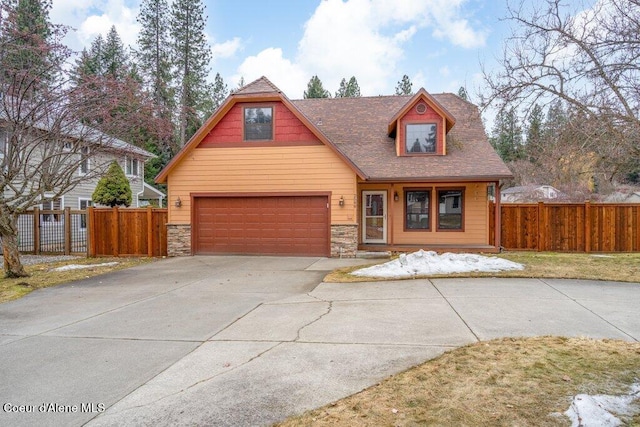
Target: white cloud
365, 39
226, 49
287, 76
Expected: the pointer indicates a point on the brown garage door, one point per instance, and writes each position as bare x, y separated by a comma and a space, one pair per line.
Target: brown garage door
282, 225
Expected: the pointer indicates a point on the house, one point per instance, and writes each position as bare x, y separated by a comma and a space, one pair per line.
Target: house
624, 195
530, 193
329, 177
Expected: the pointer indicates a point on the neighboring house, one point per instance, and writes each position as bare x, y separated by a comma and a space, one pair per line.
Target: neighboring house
625, 195
151, 196
530, 193
329, 177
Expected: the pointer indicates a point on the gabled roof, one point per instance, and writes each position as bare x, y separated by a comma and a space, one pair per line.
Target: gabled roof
429, 100
357, 130
260, 90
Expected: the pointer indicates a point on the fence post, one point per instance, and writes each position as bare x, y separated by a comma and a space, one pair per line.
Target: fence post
115, 231
587, 226
36, 230
149, 231
91, 233
67, 231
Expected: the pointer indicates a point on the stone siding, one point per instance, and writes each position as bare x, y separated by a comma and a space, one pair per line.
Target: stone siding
344, 241
178, 239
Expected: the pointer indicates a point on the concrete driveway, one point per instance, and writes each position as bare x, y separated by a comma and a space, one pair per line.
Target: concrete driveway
251, 340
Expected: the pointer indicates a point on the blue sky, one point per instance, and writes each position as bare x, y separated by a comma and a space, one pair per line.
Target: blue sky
438, 43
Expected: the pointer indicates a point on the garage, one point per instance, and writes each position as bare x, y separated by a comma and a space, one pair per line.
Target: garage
261, 225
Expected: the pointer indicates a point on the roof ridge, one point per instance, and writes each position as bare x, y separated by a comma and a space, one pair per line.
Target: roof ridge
259, 85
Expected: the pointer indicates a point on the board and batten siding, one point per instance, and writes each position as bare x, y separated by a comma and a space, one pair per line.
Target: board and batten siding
278, 169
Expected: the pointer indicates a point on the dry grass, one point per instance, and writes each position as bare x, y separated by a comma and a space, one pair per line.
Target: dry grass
624, 267
506, 382
43, 276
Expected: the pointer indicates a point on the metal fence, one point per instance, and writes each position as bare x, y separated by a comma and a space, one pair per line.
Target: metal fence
53, 232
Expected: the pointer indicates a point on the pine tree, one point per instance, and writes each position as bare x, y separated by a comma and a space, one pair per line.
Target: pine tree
349, 89
534, 132
154, 56
220, 91
113, 189
506, 137
315, 89
462, 93
191, 56
115, 60
404, 86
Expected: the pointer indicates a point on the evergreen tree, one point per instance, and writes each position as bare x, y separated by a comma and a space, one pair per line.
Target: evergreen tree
220, 91
191, 56
349, 89
506, 137
462, 93
315, 89
534, 132
404, 86
115, 61
113, 189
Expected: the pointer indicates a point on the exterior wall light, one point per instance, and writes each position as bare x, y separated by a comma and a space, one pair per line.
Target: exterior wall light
341, 201
396, 198
178, 202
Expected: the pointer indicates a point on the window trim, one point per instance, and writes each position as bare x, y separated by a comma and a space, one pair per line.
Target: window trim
462, 209
420, 153
273, 123
406, 191
131, 159
55, 218
83, 219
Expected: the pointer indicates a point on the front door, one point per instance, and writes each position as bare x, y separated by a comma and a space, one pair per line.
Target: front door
374, 217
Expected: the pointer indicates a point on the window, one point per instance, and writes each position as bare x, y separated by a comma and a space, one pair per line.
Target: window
417, 210
83, 205
258, 124
131, 166
84, 160
52, 205
450, 209
421, 138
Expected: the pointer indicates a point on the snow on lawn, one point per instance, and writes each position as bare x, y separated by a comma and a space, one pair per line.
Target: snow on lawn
79, 266
424, 263
603, 410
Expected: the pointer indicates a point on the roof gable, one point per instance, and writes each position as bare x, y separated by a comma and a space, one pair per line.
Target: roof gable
423, 96
259, 91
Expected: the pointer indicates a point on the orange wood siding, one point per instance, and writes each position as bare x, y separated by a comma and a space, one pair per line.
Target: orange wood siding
476, 215
230, 129
292, 169
429, 116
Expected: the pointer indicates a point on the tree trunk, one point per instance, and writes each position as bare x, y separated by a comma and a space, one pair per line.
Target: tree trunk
9, 233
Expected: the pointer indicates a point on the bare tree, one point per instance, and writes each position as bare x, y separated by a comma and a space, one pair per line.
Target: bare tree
586, 56
44, 149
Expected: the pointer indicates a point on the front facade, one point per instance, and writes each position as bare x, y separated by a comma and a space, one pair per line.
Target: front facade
329, 177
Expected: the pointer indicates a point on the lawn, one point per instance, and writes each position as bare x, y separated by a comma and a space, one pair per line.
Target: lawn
45, 275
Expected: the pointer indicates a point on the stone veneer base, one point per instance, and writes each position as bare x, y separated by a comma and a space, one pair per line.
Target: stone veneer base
178, 239
344, 241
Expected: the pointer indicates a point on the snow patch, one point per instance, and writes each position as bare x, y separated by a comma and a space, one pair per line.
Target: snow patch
603, 410
424, 263
81, 266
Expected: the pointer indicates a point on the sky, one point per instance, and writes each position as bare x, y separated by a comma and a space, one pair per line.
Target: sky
439, 44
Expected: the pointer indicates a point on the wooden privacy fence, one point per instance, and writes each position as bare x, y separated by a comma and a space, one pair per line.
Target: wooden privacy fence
127, 232
571, 227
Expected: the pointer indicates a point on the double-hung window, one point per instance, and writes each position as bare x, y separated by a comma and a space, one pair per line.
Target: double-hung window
132, 166
84, 161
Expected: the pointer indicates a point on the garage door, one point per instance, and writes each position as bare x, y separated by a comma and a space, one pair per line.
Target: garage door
282, 225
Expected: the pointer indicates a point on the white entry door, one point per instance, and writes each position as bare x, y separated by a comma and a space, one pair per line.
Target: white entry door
374, 216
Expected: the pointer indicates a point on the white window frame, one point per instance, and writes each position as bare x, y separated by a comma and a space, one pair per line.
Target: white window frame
83, 224
129, 163
52, 217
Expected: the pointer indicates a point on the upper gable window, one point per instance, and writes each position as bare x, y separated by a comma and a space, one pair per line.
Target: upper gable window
421, 138
258, 123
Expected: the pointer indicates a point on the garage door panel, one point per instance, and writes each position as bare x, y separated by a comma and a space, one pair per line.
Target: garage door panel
292, 225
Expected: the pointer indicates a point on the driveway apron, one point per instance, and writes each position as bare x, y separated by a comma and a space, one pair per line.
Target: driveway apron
251, 340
